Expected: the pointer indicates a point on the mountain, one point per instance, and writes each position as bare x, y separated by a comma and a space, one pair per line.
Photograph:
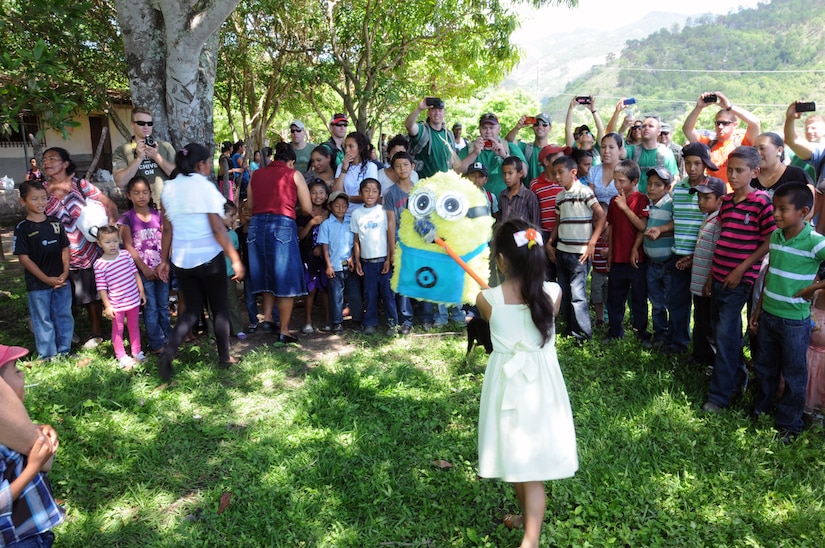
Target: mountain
762, 59
553, 58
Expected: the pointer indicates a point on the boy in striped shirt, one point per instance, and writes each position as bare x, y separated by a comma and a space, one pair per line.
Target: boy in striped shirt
657, 245
746, 220
782, 319
579, 222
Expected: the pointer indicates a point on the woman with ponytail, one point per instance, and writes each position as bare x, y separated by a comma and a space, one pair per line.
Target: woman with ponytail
525, 431
194, 243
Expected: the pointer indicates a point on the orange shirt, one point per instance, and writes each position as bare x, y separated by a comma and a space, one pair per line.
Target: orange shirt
720, 150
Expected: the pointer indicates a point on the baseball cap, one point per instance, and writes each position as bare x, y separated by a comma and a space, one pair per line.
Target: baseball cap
548, 150
477, 167
488, 118
702, 151
438, 102
457, 126
712, 185
667, 128
11, 353
661, 173
338, 118
544, 117
299, 124
338, 194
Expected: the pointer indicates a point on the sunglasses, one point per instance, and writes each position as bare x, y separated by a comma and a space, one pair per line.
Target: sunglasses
141, 123
723, 123
341, 125
296, 130
637, 127
540, 124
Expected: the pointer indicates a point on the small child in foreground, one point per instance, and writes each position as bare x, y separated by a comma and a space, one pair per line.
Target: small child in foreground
782, 318
526, 434
121, 290
28, 511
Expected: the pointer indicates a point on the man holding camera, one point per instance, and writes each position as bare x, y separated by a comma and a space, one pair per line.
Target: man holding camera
432, 146
490, 150
541, 128
143, 155
728, 137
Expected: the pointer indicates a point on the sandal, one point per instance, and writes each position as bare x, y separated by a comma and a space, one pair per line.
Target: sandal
513, 521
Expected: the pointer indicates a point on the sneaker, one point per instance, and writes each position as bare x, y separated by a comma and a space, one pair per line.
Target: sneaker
140, 357
392, 331
126, 362
251, 328
710, 407
308, 329
241, 336
427, 326
338, 329
405, 329
326, 328
369, 330
93, 342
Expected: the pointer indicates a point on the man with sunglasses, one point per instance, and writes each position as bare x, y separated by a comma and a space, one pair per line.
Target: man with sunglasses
143, 155
431, 143
728, 137
302, 147
541, 129
337, 132
665, 137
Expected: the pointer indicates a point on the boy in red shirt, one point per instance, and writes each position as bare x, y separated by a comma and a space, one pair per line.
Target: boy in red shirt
627, 220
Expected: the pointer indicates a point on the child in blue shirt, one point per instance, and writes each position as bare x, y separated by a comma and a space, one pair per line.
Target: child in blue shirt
337, 238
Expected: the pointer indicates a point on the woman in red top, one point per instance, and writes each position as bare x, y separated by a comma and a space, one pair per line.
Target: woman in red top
275, 265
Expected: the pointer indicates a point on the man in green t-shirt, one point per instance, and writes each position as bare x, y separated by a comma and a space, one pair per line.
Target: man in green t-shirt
541, 128
650, 153
302, 147
491, 150
431, 144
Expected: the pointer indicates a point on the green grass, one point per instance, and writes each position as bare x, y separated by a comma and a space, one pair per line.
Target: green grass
339, 451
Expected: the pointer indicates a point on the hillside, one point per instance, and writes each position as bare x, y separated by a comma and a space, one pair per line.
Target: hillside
765, 46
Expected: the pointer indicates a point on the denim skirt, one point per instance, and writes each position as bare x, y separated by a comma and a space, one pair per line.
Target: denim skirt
275, 264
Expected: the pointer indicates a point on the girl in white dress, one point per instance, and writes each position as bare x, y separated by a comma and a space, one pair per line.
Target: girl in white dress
525, 432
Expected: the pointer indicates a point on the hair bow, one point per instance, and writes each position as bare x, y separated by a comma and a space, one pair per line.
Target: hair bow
185, 152
530, 237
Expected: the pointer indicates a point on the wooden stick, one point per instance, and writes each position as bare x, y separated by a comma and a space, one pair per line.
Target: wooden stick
98, 152
461, 263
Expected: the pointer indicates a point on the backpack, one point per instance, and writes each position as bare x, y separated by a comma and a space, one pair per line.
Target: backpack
425, 140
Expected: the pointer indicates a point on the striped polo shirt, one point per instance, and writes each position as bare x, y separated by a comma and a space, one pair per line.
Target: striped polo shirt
703, 253
745, 225
793, 265
546, 191
574, 208
686, 218
659, 214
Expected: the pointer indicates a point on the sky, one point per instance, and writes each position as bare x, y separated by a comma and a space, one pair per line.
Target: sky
602, 14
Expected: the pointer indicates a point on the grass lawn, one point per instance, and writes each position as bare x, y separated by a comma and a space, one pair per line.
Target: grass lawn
350, 442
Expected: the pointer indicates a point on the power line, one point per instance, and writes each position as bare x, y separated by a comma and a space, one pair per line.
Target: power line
721, 71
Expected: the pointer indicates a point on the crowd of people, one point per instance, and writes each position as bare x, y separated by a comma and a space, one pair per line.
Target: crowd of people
621, 218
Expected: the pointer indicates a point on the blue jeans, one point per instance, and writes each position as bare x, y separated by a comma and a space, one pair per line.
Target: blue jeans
52, 320
405, 310
156, 312
658, 290
679, 303
375, 285
573, 281
349, 283
729, 373
782, 349
623, 277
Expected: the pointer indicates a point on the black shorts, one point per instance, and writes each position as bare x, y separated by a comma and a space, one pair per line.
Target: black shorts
84, 290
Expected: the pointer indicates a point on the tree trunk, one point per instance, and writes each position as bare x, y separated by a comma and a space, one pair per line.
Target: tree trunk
171, 58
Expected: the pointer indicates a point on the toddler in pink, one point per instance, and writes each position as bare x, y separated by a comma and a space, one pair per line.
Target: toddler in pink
121, 290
